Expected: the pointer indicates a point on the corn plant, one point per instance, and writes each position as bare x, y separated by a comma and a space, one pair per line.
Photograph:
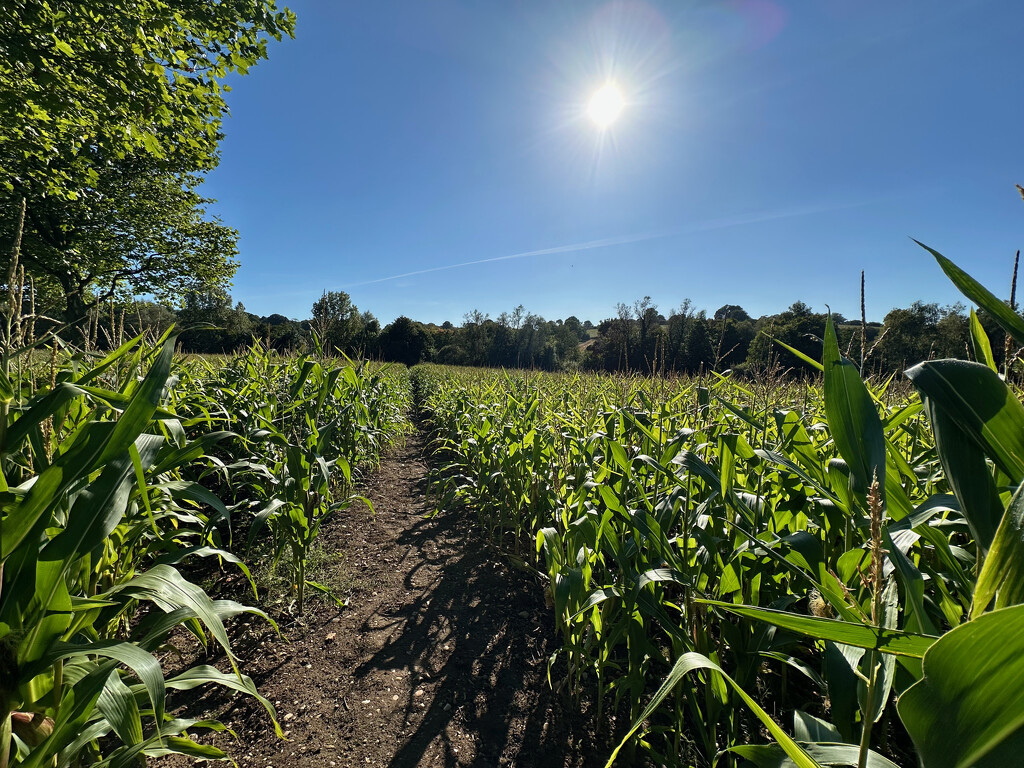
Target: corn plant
720, 552
303, 429
92, 529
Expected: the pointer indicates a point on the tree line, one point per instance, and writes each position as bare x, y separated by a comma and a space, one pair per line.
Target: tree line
638, 337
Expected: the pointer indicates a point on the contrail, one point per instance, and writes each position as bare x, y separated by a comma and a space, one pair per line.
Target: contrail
724, 222
540, 252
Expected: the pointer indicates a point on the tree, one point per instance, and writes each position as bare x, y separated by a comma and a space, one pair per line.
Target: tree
700, 355
82, 84
674, 342
573, 325
624, 331
476, 336
138, 230
118, 104
336, 320
921, 332
285, 334
202, 317
734, 311
149, 316
799, 327
405, 341
367, 338
647, 318
531, 340
566, 338
734, 338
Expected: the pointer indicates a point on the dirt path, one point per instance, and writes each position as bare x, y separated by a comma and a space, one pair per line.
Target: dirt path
440, 660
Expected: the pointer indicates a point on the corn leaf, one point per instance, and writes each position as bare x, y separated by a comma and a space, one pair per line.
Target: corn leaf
968, 710
1002, 576
691, 661
981, 344
852, 417
1009, 320
859, 635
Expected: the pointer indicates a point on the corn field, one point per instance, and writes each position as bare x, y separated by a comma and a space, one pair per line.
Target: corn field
119, 472
767, 573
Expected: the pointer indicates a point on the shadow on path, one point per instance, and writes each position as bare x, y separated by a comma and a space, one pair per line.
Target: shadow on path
439, 660
475, 637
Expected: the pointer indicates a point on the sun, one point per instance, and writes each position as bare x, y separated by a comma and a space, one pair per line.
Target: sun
605, 105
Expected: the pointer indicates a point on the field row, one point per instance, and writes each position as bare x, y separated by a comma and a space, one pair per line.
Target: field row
120, 475
725, 556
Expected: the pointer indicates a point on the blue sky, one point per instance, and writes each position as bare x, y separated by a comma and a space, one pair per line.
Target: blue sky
767, 152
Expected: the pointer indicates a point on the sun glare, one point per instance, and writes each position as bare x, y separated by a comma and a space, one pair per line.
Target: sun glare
605, 105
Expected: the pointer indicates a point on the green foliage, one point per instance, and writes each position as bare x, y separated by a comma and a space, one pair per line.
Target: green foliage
136, 230
81, 523
921, 332
405, 341
82, 84
307, 425
114, 480
339, 326
687, 529
112, 114
962, 712
798, 328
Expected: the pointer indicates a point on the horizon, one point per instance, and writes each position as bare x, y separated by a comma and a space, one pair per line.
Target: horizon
447, 159
693, 308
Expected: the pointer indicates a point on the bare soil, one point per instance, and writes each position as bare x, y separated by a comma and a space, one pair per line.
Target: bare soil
440, 658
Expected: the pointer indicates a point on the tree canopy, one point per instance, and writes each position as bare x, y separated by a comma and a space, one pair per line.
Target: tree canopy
84, 83
138, 230
112, 114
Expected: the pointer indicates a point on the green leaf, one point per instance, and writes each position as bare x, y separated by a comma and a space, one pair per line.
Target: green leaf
6, 388
809, 360
203, 675
166, 587
109, 360
810, 729
100, 508
852, 418
619, 454
181, 745
827, 754
859, 635
973, 415
118, 706
143, 405
186, 489
76, 708
968, 710
176, 556
140, 661
980, 403
873, 707
48, 489
1002, 576
981, 344
188, 453
689, 662
1009, 320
